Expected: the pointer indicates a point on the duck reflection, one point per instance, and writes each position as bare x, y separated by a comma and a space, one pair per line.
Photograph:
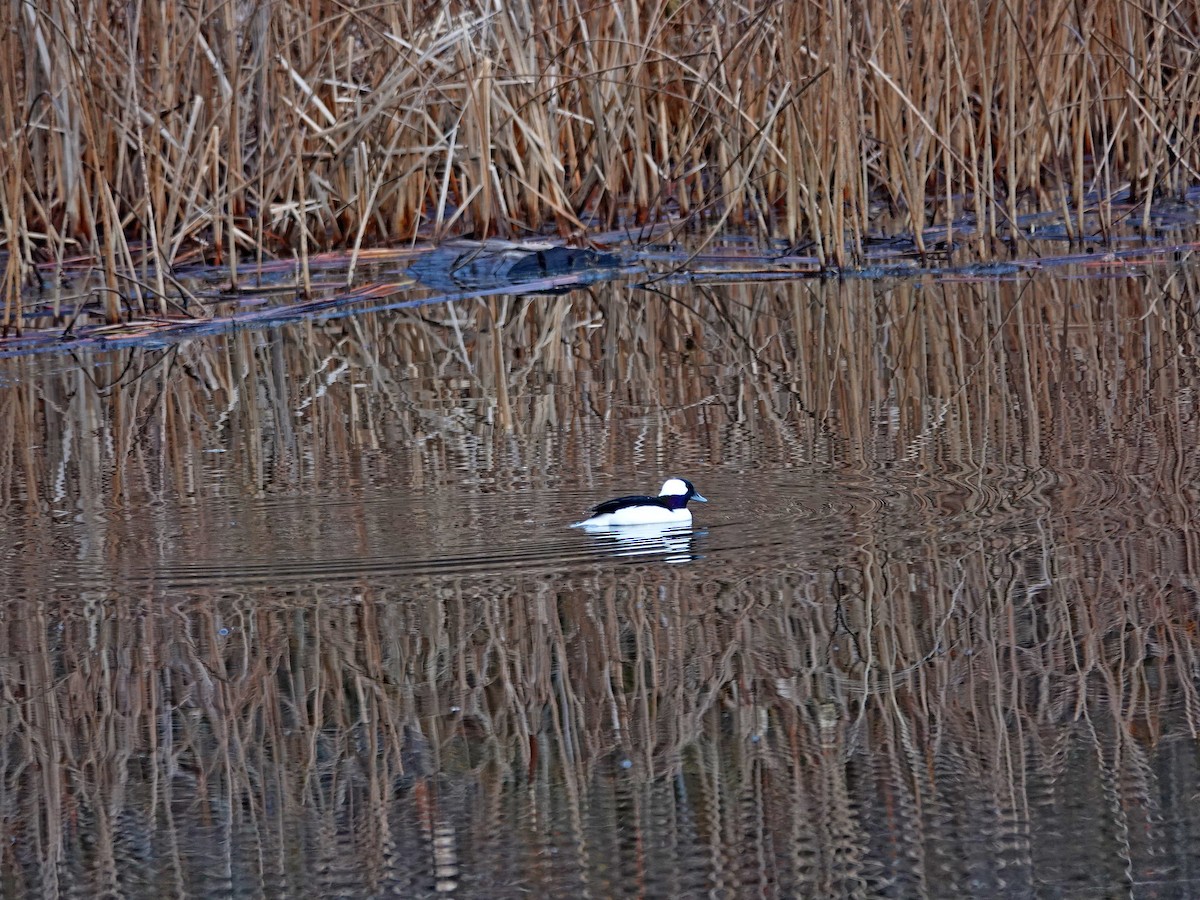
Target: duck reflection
675, 544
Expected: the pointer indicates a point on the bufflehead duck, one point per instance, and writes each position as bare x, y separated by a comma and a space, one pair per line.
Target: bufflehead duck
668, 508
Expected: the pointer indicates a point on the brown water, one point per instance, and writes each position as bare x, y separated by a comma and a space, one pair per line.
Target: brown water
296, 612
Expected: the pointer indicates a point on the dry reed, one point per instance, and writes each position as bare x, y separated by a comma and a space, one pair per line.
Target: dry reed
166, 133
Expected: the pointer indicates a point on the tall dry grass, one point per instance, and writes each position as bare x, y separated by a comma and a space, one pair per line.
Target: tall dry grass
148, 135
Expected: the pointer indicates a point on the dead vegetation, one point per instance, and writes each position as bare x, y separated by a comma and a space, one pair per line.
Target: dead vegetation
144, 136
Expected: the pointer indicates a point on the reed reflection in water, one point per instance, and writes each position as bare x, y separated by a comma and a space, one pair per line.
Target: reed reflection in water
297, 612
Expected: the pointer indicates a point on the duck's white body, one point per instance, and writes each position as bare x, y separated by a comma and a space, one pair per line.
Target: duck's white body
668, 509
638, 515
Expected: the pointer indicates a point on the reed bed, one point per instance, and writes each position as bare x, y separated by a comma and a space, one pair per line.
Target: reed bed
147, 136
932, 685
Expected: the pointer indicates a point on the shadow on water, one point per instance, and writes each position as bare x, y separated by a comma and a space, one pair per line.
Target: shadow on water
298, 611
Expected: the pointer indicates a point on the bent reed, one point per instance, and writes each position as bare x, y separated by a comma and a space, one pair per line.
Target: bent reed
146, 136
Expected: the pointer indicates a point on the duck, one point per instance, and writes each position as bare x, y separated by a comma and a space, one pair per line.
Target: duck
669, 508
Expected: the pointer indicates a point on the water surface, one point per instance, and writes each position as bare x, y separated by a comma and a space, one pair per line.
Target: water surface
296, 611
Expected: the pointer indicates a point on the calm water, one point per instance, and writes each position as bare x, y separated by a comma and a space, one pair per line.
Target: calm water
296, 611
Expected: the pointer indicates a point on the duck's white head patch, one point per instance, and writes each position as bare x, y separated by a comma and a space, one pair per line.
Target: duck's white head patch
673, 487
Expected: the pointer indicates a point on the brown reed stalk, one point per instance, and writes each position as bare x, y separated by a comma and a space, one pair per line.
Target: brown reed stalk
16, 243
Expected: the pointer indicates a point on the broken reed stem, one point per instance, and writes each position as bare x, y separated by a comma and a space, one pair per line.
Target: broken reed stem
301, 213
473, 119
149, 213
